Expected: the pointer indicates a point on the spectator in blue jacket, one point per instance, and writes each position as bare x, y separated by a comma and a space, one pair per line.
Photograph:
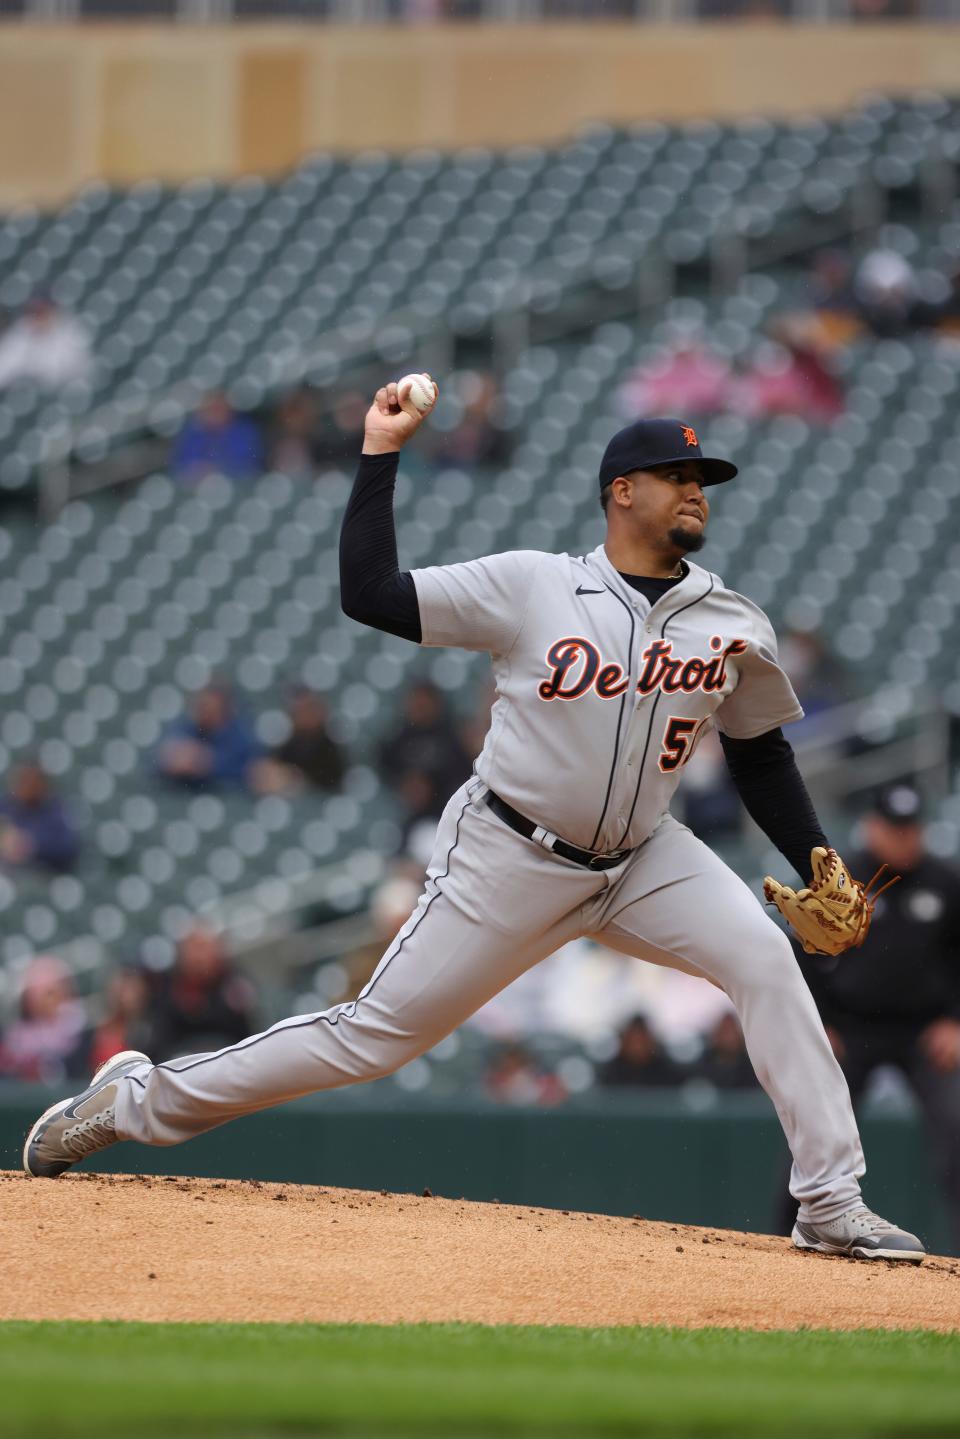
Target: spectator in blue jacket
212, 746
216, 440
36, 831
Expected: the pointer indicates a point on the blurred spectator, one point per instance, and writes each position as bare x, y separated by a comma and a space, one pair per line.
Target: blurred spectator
36, 831
832, 314
515, 1077
421, 10
423, 759
473, 730
725, 1062
865, 10
296, 447
687, 379
832, 298
639, 1060
391, 905
309, 756
341, 436
589, 9
210, 746
742, 9
124, 1023
680, 1007
886, 291
789, 376
588, 992
708, 802
418, 788
584, 991
203, 1002
418, 821
217, 441
44, 1042
896, 1000
46, 345
831, 280
476, 440
819, 678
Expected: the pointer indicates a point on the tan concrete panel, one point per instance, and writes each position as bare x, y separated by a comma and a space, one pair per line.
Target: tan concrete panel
504, 96
726, 71
662, 74
804, 71
37, 94
159, 115
271, 109
371, 99
122, 102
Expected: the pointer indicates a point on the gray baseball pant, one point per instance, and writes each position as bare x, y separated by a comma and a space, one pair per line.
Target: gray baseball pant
494, 905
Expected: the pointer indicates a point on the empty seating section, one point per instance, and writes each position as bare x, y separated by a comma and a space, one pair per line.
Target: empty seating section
132, 598
255, 284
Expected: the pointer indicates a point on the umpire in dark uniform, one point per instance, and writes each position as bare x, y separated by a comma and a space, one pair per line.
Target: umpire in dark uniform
896, 1000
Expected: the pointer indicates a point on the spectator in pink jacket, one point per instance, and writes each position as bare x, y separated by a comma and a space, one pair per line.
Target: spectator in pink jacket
45, 1041
790, 375
687, 379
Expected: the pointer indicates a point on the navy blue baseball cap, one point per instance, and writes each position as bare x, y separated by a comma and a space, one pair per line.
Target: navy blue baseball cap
658, 442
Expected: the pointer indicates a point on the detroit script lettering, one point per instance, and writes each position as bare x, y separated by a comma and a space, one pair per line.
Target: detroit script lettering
576, 667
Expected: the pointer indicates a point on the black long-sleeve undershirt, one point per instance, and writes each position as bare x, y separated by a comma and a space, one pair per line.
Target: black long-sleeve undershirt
376, 592
373, 589
774, 795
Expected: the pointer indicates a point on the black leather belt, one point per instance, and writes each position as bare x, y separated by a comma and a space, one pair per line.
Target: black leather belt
529, 830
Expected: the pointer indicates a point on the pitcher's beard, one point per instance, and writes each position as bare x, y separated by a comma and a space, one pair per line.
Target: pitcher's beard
686, 540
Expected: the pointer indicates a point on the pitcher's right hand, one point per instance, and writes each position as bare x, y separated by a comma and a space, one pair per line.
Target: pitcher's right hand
390, 422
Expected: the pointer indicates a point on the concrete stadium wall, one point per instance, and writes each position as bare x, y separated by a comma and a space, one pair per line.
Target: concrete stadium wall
125, 102
628, 1154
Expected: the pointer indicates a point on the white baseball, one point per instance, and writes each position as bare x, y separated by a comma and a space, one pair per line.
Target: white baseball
418, 388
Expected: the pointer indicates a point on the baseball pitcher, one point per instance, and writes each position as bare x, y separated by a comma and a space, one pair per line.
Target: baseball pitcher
609, 667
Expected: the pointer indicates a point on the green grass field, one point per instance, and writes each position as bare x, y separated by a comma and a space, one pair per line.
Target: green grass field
262, 1380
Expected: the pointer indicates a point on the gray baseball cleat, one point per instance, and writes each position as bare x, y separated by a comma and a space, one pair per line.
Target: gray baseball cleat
76, 1127
861, 1234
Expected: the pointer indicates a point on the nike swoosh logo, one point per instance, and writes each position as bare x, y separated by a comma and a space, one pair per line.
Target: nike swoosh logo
69, 1110
581, 591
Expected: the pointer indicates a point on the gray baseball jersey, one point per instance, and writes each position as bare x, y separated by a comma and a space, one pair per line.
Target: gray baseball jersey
601, 698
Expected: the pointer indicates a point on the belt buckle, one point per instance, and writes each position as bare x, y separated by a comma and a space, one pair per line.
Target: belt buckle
597, 861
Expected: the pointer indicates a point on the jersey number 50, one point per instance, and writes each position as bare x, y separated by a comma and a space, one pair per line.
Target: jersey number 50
679, 741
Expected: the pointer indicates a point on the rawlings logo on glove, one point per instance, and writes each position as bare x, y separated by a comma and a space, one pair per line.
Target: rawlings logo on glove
834, 913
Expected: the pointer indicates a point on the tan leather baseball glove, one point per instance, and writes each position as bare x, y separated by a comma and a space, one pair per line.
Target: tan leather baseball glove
834, 913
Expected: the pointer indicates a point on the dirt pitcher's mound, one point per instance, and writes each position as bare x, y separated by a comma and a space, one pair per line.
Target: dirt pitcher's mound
93, 1246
